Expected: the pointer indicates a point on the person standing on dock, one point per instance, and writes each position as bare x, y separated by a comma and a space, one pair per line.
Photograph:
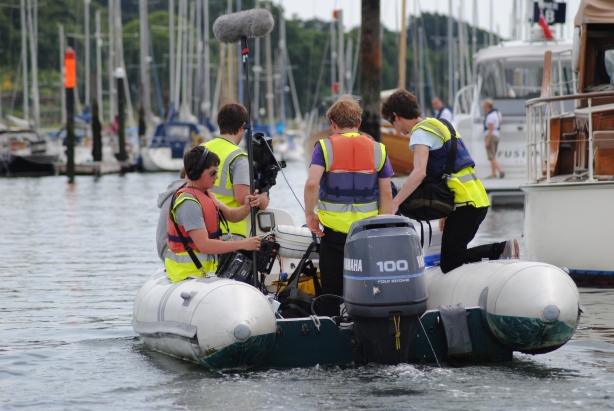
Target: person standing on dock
430, 141
442, 112
492, 124
193, 226
233, 185
349, 179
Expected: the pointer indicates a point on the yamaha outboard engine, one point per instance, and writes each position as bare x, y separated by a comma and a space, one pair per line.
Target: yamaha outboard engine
383, 286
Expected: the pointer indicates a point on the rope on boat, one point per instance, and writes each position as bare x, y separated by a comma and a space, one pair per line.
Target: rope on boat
427, 338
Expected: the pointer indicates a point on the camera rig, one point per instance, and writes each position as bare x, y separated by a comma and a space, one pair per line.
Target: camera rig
265, 165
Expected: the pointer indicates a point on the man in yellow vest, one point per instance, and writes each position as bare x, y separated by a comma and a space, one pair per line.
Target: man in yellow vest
430, 141
233, 185
193, 220
349, 179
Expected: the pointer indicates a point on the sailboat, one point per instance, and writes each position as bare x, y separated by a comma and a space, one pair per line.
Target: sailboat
181, 130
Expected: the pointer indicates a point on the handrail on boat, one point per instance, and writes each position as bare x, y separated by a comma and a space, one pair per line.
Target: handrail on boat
536, 137
580, 96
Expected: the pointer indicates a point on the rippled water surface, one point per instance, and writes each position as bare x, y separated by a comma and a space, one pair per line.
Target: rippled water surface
72, 258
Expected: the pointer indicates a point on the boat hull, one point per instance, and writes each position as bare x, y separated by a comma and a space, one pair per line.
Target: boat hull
529, 307
160, 159
222, 324
28, 165
584, 248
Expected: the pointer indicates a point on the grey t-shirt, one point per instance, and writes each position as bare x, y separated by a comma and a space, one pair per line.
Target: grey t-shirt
239, 170
190, 215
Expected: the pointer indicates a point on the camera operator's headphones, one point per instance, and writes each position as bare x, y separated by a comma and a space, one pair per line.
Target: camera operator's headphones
200, 167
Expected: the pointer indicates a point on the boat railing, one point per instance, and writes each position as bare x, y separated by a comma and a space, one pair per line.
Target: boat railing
539, 112
464, 100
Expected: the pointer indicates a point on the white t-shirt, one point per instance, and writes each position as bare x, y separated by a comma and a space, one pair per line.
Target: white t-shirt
425, 138
493, 118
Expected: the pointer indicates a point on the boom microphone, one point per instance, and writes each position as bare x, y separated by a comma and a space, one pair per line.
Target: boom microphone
231, 28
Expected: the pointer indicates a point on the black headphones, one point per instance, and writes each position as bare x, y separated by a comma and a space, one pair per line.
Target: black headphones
200, 167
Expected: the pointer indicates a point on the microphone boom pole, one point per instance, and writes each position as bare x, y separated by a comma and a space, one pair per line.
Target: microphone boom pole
250, 151
231, 28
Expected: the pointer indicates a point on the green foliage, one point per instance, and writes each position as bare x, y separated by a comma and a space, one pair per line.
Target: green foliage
306, 42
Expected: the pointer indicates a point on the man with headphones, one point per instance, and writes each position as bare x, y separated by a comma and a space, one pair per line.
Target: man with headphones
193, 225
233, 183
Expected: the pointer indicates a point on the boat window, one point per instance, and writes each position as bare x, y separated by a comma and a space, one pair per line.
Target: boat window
519, 80
604, 65
178, 131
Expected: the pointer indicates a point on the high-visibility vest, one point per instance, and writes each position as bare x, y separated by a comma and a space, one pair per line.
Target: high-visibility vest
224, 189
465, 185
178, 263
348, 188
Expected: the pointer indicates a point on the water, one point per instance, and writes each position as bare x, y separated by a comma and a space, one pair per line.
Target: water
72, 258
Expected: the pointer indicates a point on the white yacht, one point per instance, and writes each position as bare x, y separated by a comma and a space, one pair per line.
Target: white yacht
508, 73
569, 189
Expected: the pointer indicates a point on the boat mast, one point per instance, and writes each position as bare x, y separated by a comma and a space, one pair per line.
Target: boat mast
144, 43
491, 37
33, 40
340, 52
403, 45
450, 55
24, 59
120, 62
199, 61
177, 61
257, 70
171, 38
112, 90
190, 60
461, 46
474, 37
61, 60
420, 56
99, 65
88, 102
333, 56
207, 66
282, 68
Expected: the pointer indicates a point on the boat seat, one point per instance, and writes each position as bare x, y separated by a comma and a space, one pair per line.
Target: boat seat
604, 152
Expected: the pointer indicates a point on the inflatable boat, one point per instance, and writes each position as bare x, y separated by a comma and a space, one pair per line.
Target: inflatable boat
401, 307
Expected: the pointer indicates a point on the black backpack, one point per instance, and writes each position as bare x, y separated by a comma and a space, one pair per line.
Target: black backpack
433, 199
293, 302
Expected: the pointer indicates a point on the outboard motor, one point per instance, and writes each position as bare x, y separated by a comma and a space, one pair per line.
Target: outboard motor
383, 286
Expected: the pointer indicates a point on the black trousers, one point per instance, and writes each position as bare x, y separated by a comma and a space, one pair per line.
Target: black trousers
332, 245
460, 228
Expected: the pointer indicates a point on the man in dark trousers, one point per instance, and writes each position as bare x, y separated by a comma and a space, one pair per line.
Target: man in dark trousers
349, 179
430, 141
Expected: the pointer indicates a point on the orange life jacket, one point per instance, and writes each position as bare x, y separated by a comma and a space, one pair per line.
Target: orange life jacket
208, 203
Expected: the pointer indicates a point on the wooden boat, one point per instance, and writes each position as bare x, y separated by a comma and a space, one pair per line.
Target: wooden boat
570, 162
397, 148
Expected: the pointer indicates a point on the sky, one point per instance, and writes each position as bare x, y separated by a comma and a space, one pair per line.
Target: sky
391, 11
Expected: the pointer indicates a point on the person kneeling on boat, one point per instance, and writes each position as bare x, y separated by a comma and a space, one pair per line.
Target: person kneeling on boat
193, 220
430, 141
349, 179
